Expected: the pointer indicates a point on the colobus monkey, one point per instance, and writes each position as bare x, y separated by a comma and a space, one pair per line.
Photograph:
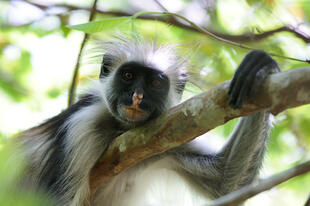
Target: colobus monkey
139, 81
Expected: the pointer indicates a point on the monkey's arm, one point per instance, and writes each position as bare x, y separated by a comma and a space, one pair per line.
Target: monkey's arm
241, 157
238, 162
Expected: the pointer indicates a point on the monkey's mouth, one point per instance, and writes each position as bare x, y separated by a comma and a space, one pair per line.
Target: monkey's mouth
133, 113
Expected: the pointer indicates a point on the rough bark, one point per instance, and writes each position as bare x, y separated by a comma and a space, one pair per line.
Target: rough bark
195, 117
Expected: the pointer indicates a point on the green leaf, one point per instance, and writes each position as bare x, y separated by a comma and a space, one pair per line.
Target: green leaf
12, 87
65, 30
108, 23
306, 8
53, 93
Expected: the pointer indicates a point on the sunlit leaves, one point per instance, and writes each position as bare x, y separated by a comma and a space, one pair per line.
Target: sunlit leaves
105, 24
305, 5
12, 72
54, 92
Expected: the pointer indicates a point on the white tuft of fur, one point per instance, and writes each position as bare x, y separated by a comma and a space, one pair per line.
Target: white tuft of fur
163, 57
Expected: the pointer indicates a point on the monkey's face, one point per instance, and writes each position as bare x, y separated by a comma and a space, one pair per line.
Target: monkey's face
139, 93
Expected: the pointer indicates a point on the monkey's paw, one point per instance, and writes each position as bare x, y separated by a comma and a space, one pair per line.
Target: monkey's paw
249, 76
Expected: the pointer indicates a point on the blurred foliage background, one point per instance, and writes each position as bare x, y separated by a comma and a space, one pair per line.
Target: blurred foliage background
38, 53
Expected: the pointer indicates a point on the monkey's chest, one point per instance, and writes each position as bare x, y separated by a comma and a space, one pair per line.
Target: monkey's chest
151, 183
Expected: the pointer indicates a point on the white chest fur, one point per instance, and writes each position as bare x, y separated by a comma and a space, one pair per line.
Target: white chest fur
154, 182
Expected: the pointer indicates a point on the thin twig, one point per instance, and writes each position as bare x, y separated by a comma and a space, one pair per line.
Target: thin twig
247, 37
172, 19
75, 76
161, 6
228, 39
214, 36
248, 191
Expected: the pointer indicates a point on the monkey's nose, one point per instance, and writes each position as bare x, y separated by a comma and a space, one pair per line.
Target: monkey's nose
137, 95
137, 98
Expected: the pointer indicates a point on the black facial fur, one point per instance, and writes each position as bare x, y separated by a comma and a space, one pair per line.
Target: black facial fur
153, 83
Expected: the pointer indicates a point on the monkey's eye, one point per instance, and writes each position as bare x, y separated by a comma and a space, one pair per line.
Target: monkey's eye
128, 76
156, 83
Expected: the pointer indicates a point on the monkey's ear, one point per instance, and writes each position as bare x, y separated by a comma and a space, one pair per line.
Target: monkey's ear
106, 66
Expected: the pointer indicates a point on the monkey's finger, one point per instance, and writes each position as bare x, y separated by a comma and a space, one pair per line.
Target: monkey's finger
240, 67
242, 74
239, 76
260, 73
249, 81
240, 99
260, 76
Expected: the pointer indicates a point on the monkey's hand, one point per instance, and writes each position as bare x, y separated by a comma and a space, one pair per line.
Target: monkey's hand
255, 67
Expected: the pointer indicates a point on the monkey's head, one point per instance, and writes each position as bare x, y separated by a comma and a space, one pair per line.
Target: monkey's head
140, 80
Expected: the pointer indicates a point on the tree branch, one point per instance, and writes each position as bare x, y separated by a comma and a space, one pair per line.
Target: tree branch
72, 89
238, 196
195, 117
247, 37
